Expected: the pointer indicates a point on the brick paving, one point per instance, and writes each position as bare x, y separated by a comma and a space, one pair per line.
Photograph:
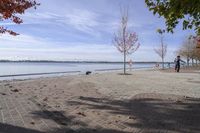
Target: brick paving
23, 112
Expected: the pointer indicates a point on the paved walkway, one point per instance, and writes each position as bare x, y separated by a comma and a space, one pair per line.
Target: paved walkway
80, 109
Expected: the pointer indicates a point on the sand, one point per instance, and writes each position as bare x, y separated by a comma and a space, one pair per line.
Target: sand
143, 101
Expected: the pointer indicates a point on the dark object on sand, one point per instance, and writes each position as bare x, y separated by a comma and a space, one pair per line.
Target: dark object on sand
32, 123
15, 90
2, 93
88, 72
81, 113
132, 117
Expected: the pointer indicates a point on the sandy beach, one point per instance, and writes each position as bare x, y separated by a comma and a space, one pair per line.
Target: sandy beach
144, 101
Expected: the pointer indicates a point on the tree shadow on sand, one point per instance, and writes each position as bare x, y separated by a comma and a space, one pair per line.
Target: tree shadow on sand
153, 112
67, 122
6, 128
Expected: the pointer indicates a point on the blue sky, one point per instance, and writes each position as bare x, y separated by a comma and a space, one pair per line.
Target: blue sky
83, 30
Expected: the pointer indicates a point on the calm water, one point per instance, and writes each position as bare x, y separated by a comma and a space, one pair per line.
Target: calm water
9, 69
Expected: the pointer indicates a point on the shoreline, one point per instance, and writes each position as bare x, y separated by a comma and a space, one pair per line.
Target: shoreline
60, 74
23, 77
21, 71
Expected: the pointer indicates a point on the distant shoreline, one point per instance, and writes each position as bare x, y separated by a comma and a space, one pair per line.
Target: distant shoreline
49, 61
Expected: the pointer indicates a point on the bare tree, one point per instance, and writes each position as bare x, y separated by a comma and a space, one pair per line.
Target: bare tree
124, 40
161, 50
192, 43
197, 49
188, 49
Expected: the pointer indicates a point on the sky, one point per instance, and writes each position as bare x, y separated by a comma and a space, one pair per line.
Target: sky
83, 30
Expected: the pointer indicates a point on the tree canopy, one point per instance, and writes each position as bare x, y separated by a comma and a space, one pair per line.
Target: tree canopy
9, 9
174, 11
189, 50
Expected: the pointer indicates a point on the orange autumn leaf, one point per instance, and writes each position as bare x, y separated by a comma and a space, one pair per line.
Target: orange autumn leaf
9, 9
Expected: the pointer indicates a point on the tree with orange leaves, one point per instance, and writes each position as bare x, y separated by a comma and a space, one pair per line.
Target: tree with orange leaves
9, 9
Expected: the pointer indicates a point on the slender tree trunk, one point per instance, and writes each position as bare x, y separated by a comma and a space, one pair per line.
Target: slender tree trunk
124, 31
162, 52
124, 62
163, 63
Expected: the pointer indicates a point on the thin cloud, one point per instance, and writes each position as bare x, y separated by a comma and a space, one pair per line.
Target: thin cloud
82, 20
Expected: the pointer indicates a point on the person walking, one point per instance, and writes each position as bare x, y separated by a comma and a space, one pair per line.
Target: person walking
130, 64
178, 63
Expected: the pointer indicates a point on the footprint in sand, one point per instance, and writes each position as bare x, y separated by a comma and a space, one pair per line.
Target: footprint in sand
45, 99
6, 84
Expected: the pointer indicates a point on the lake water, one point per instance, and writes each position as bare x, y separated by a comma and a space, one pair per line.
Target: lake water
21, 70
